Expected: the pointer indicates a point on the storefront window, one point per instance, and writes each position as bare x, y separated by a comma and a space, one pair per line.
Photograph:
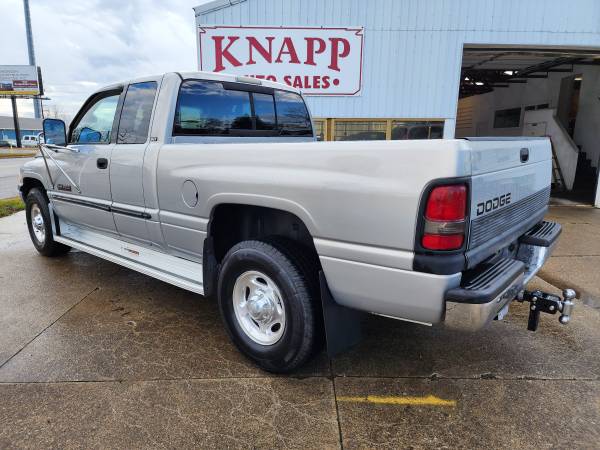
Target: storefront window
417, 130
360, 130
319, 129
436, 131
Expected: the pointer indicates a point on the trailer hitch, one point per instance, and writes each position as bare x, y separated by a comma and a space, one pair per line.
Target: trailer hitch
542, 302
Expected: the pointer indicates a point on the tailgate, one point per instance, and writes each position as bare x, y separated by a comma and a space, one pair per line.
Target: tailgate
510, 189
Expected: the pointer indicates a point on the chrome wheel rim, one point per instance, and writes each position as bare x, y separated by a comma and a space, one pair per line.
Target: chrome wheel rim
259, 307
37, 224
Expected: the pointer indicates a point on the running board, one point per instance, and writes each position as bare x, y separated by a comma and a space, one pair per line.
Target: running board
170, 269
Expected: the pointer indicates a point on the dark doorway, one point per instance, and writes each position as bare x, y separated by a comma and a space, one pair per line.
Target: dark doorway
568, 102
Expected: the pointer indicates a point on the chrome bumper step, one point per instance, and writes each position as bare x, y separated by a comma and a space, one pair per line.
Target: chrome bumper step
486, 282
543, 234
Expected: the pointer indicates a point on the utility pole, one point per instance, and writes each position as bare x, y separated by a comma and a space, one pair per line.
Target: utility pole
31, 51
13, 100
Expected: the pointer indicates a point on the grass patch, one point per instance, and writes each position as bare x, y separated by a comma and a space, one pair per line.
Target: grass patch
16, 155
10, 206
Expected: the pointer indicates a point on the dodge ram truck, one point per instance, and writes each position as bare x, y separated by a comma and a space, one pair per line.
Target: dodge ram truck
216, 184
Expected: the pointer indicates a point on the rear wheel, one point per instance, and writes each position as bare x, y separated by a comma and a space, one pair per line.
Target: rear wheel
40, 225
269, 305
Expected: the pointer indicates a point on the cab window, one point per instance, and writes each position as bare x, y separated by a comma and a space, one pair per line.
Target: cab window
136, 113
264, 111
214, 108
292, 115
95, 126
207, 108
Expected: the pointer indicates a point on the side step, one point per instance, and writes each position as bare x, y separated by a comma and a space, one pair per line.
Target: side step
543, 234
170, 269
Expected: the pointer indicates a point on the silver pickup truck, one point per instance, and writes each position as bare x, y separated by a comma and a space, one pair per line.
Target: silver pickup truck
215, 184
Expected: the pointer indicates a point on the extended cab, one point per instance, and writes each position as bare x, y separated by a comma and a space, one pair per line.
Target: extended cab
215, 183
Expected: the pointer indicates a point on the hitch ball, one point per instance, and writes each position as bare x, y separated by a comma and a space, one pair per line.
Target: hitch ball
566, 306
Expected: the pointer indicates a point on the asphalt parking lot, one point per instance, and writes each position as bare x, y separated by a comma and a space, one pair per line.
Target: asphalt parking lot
94, 355
9, 169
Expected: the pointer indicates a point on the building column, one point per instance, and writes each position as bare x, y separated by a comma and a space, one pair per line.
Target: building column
449, 128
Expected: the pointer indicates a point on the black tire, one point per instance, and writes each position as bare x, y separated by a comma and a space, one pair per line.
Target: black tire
295, 278
46, 246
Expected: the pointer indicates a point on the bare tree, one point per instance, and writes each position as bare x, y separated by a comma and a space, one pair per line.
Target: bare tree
55, 111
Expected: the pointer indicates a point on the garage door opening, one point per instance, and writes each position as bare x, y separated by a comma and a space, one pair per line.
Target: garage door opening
554, 92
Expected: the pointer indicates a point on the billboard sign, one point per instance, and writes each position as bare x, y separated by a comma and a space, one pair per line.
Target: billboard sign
19, 80
316, 60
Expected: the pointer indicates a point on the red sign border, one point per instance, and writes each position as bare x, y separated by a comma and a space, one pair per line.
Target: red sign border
358, 32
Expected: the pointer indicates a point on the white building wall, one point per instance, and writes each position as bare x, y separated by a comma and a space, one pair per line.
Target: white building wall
413, 48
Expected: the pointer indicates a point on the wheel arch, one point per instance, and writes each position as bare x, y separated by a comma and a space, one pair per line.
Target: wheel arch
30, 182
231, 222
265, 201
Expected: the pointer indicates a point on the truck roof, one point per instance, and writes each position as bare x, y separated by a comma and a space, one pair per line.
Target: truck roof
207, 76
237, 79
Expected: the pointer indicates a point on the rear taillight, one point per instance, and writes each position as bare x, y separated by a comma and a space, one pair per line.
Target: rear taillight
445, 214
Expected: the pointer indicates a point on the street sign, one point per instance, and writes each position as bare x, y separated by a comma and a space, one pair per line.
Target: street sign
316, 60
19, 81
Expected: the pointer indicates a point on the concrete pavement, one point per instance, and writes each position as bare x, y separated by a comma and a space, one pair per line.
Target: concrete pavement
94, 355
577, 253
9, 170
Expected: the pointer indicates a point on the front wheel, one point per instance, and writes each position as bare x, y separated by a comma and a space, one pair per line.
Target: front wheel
40, 226
268, 303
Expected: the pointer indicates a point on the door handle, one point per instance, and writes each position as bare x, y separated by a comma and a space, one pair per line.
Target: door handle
102, 163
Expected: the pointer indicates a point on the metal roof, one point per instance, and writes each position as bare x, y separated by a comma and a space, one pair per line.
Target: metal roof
214, 5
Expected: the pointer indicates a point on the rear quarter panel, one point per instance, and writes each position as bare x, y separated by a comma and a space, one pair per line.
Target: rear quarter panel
364, 193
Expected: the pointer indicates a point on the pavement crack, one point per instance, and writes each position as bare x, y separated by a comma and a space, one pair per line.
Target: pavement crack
274, 377
337, 409
575, 256
49, 326
485, 377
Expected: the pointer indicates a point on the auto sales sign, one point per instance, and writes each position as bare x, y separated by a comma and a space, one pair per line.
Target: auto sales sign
319, 61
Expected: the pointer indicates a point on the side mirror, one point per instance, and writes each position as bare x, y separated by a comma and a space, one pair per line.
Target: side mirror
55, 132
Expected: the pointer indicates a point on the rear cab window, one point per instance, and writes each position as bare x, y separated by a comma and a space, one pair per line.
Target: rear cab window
214, 108
292, 115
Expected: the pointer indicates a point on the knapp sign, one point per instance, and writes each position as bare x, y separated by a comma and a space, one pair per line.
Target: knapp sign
319, 61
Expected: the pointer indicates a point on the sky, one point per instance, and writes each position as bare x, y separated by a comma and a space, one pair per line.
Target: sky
85, 44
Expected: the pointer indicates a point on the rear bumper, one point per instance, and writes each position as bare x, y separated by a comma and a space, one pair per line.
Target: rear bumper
397, 293
488, 289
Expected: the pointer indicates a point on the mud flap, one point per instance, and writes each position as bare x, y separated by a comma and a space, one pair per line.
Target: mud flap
342, 325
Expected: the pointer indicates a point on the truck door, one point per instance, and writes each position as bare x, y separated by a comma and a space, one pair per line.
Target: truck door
83, 198
126, 165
